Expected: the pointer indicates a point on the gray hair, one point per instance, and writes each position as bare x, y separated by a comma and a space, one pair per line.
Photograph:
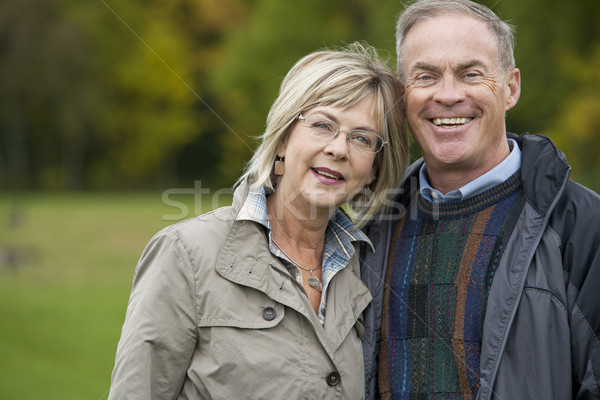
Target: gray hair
340, 78
421, 9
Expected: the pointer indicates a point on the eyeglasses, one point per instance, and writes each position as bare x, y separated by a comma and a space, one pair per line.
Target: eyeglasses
358, 139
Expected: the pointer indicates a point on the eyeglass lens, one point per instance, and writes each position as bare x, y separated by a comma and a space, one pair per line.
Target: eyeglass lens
358, 139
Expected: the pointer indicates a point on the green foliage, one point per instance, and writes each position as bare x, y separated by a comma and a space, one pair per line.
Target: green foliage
576, 125
160, 118
544, 31
557, 53
165, 92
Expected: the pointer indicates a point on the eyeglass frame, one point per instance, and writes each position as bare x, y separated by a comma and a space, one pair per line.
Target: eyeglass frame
301, 117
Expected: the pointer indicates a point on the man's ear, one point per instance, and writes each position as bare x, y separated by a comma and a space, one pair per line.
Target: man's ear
514, 88
402, 91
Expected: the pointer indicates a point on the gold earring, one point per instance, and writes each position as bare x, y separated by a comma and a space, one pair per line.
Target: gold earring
279, 166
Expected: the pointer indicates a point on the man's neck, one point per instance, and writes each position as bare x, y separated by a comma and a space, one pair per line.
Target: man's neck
447, 178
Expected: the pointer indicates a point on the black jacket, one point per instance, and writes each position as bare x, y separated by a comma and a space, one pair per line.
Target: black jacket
542, 324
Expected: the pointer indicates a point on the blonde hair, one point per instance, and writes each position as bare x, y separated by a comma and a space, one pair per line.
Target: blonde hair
339, 78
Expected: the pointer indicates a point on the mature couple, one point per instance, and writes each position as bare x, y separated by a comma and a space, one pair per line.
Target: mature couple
476, 278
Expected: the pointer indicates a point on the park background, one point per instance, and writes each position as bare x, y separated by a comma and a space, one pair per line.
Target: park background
118, 118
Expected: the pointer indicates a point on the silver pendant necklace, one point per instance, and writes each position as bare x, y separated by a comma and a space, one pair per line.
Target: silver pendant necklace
313, 281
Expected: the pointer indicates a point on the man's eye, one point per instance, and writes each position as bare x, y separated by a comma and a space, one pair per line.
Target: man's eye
423, 79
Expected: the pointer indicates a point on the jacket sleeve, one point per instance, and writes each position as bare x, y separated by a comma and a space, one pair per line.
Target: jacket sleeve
585, 331
580, 219
159, 334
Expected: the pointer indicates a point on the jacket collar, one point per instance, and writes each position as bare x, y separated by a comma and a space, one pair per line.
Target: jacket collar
544, 170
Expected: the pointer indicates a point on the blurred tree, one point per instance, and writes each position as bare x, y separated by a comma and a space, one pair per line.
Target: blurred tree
150, 109
557, 53
42, 104
205, 24
105, 95
147, 107
575, 126
542, 29
162, 92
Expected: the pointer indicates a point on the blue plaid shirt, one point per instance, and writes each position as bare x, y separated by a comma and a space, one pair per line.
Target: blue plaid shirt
339, 236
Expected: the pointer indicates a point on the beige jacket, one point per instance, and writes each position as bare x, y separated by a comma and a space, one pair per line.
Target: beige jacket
214, 315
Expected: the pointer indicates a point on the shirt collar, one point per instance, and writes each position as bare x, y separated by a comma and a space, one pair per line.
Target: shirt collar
340, 233
255, 207
495, 176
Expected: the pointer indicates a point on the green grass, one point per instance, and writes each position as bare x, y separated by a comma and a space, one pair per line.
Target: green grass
63, 305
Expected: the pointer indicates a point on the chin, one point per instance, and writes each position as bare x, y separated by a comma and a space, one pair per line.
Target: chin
326, 203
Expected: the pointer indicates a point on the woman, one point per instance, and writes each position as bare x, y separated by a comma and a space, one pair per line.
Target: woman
263, 299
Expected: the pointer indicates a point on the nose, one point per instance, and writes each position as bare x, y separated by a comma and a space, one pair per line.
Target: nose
338, 147
449, 91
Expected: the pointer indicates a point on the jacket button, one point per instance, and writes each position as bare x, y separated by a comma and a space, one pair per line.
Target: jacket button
333, 378
269, 313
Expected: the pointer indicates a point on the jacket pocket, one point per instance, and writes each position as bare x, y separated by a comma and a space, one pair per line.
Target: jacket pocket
230, 305
265, 316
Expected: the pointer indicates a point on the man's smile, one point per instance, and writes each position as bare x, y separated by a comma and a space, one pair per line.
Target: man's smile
451, 122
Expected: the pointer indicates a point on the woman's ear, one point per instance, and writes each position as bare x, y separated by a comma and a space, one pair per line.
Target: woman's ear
279, 166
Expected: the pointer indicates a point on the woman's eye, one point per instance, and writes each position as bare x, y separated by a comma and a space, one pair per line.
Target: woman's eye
362, 139
322, 125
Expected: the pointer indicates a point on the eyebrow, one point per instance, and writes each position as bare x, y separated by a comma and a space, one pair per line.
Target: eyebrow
423, 66
470, 64
337, 121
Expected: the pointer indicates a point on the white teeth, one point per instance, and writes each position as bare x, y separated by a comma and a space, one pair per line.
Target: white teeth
451, 121
327, 174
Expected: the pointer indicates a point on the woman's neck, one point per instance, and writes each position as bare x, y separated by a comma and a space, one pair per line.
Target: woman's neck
294, 231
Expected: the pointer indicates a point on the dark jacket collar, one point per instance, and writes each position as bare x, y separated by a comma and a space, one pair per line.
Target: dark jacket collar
544, 169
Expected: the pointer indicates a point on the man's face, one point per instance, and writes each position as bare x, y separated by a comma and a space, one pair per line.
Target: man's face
457, 94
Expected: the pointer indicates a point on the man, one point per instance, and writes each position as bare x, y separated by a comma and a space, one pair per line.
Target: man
486, 273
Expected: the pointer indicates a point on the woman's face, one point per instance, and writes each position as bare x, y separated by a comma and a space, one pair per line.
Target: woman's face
322, 174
